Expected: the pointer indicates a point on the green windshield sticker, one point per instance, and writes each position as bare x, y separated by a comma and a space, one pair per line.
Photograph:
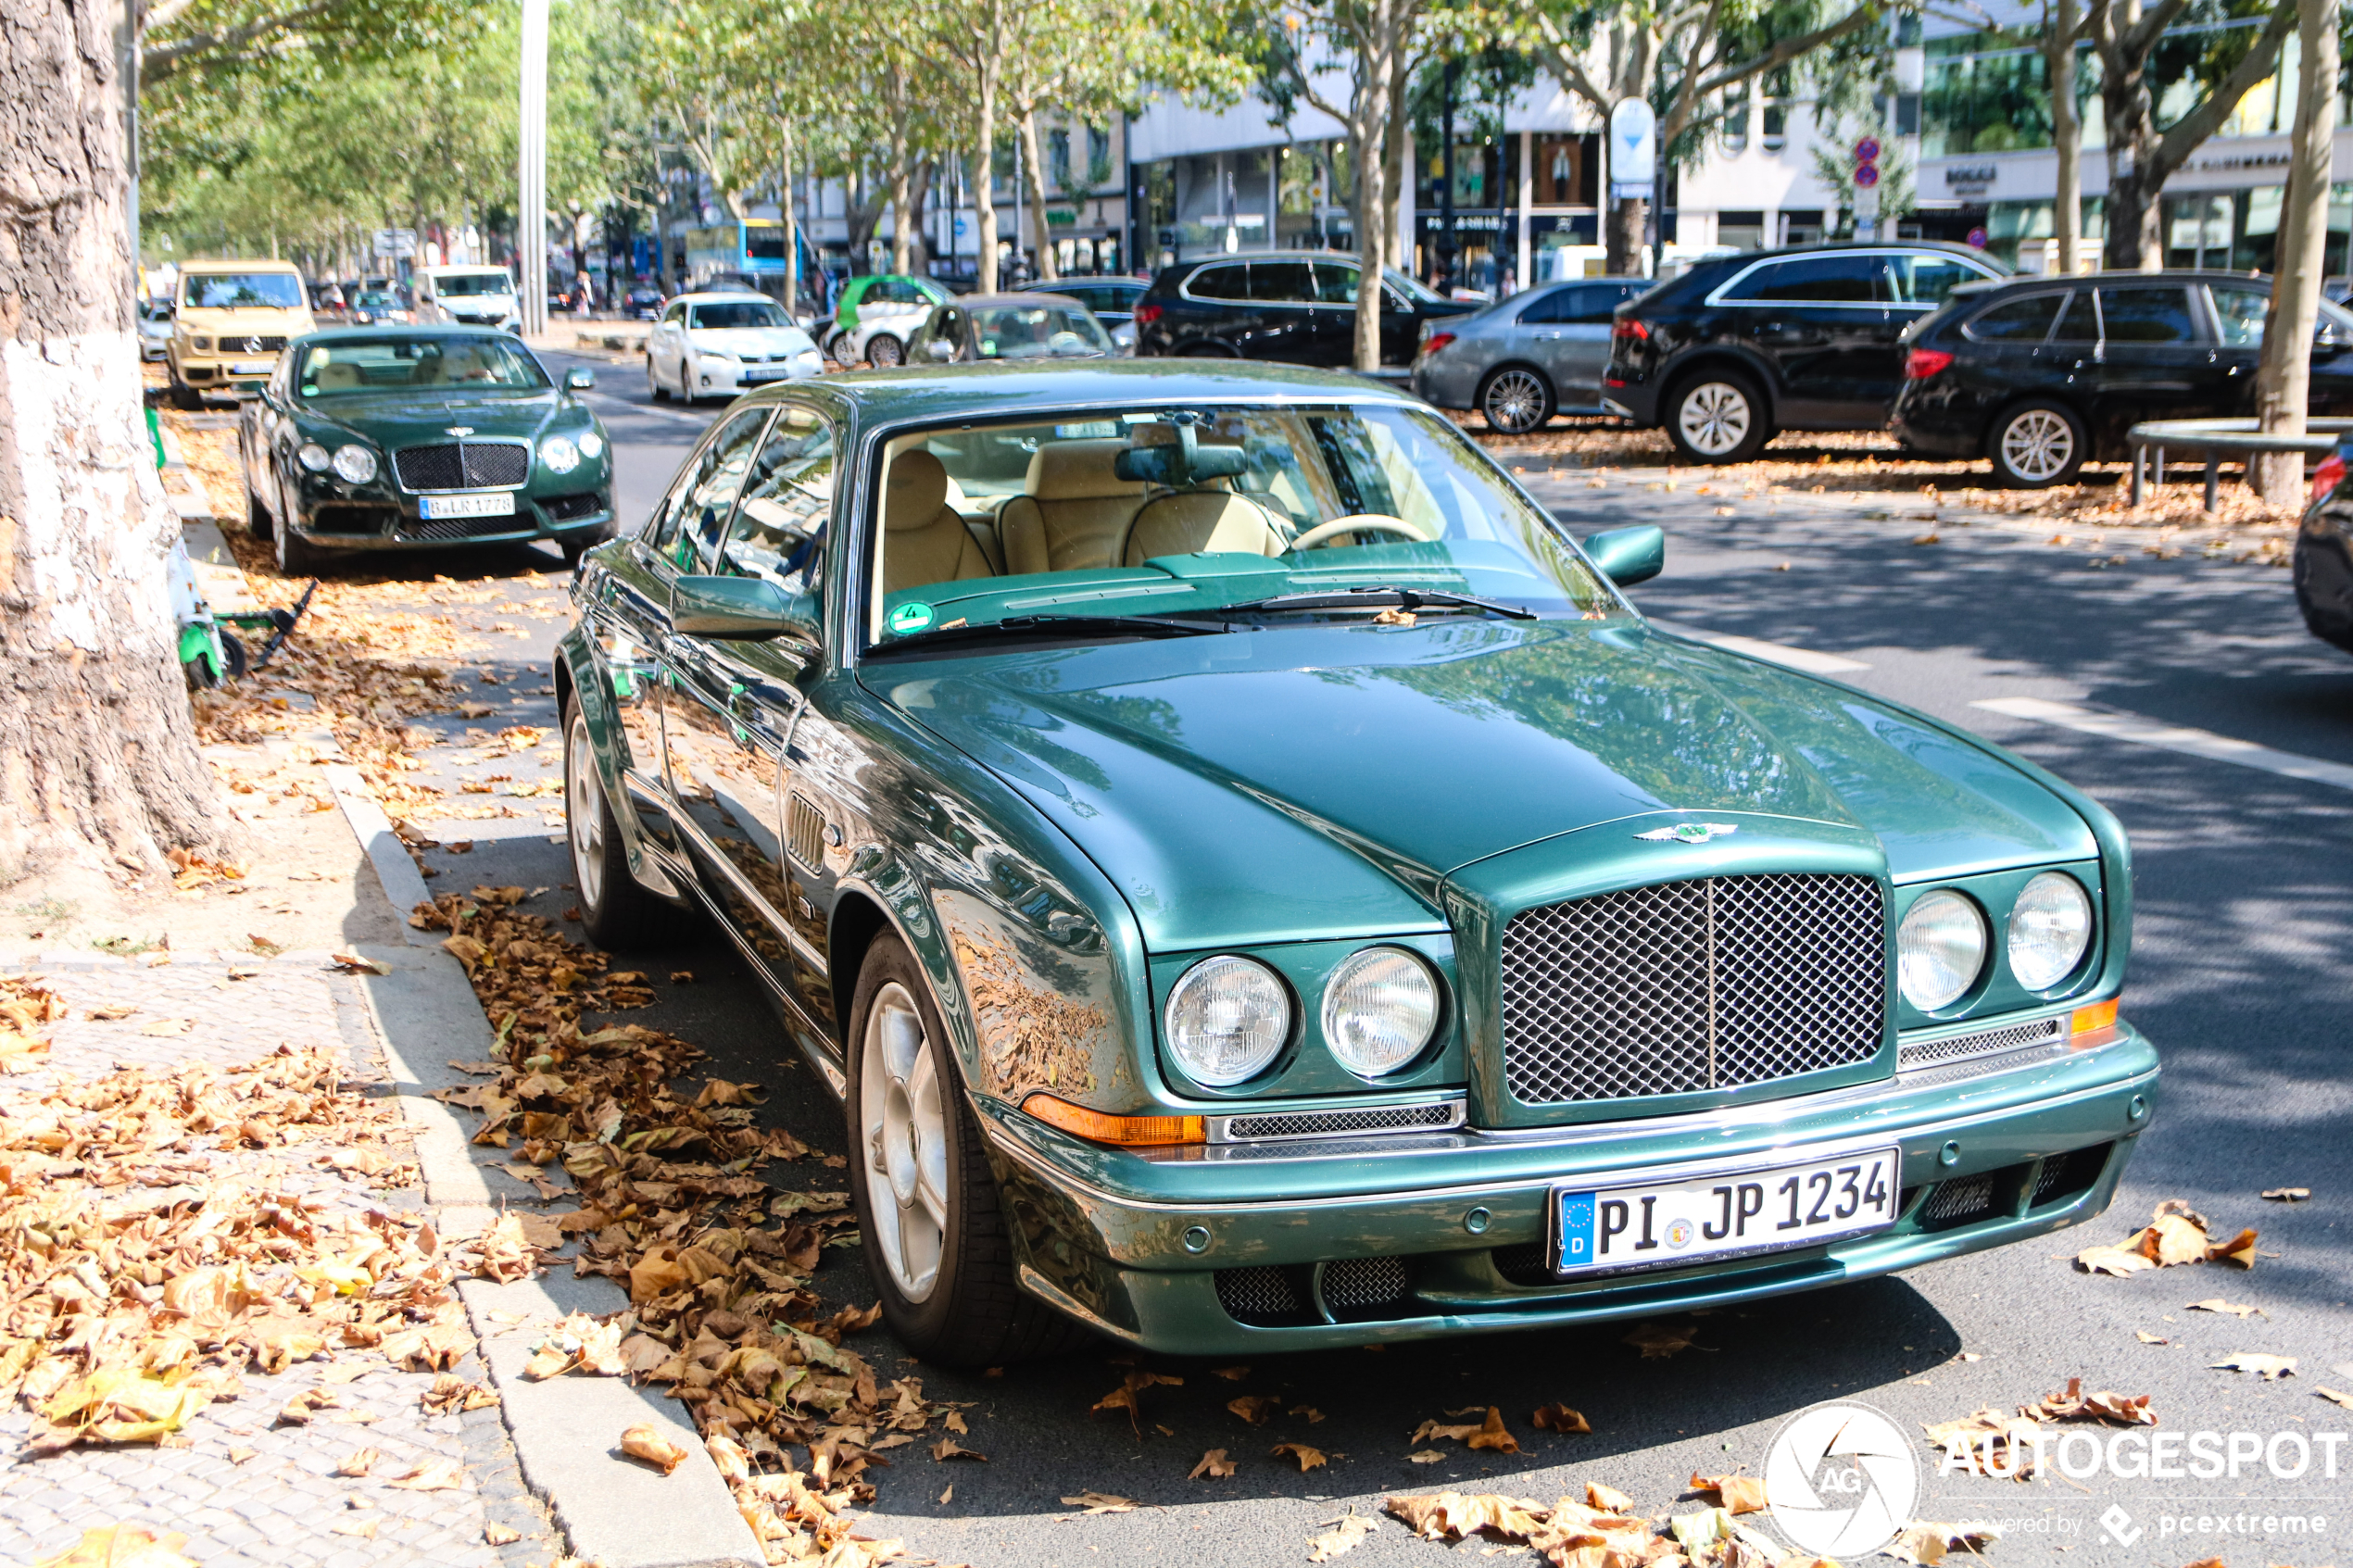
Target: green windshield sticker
913, 616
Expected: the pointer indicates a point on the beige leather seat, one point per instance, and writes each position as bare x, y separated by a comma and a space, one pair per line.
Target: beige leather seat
1188, 521
925, 540
1073, 512
336, 376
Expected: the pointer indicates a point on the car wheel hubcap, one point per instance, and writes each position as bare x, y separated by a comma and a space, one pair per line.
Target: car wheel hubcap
903, 1127
583, 814
1514, 402
2038, 445
1715, 417
885, 352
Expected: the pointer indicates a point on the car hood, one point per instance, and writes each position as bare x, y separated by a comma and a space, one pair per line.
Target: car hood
404, 418
752, 340
261, 318
490, 307
1321, 782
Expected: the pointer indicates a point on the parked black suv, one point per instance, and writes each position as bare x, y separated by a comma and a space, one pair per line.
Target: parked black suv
1298, 307
1742, 347
2043, 375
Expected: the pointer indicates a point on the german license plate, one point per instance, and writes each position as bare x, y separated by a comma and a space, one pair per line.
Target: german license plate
485, 503
766, 373
261, 369
1733, 1213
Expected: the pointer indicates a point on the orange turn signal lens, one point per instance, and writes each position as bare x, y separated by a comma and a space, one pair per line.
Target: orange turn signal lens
1132, 1131
2098, 1016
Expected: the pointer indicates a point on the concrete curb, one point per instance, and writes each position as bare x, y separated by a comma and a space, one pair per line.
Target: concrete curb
404, 886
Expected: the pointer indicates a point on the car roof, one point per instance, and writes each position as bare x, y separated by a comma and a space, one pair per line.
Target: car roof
1347, 256
708, 296
348, 334
1013, 296
231, 264
953, 390
2115, 280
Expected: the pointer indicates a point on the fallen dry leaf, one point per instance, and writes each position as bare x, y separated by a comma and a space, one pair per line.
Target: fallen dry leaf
2216, 1304
167, 1026
1559, 1417
355, 964
495, 1533
1452, 1515
1931, 1543
2118, 1260
2072, 1404
1609, 1500
2335, 1397
947, 1448
2288, 1195
107, 1011
122, 1546
1309, 1459
1254, 1407
1734, 1494
358, 1462
2269, 1368
647, 1442
451, 1394
1344, 1533
946, 1495
1231, 1373
1658, 1339
364, 1528
2145, 1338
1426, 1456
1101, 1502
433, 1476
1214, 1464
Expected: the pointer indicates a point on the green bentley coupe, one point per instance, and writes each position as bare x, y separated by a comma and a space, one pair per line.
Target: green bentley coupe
1255, 883
386, 438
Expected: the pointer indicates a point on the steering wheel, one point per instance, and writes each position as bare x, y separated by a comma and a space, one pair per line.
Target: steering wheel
1359, 522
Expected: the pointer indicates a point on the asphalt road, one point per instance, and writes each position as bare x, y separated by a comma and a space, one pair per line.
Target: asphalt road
2245, 889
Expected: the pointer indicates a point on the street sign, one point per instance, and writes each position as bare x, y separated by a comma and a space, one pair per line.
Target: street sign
396, 242
1633, 143
1866, 176
1977, 238
1867, 203
1867, 150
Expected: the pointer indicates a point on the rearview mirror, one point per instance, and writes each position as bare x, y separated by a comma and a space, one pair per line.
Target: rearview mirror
579, 381
1627, 555
741, 610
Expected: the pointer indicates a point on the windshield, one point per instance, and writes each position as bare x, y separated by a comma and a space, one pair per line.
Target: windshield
740, 313
376, 299
241, 290
385, 364
1037, 332
1413, 290
449, 284
1175, 512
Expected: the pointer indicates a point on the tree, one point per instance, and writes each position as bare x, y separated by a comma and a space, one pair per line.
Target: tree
2140, 159
279, 36
98, 762
1680, 55
2063, 25
984, 37
2282, 383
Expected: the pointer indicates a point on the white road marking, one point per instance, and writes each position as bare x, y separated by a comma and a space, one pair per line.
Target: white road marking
1772, 652
2172, 737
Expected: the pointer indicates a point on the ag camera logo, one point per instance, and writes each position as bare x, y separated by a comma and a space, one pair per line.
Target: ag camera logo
1841, 1480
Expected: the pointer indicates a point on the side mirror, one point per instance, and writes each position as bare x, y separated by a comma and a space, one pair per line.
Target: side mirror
1627, 555
579, 381
741, 610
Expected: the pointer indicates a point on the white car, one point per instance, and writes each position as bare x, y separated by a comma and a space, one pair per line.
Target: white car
467, 297
718, 345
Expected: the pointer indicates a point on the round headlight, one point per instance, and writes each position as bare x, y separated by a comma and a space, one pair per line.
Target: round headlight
1380, 1007
591, 444
559, 454
1939, 950
1227, 1018
313, 456
354, 464
2050, 926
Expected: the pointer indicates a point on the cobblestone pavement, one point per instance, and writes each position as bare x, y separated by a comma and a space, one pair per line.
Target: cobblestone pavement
245, 1488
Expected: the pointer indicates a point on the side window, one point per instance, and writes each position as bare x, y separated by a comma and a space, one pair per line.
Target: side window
1228, 281
1281, 282
1547, 309
2241, 313
1927, 280
779, 527
1335, 282
1597, 303
675, 316
2080, 322
1819, 280
2020, 320
699, 513
2158, 315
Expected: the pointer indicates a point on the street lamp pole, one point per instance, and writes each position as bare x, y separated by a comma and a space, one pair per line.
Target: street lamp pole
531, 183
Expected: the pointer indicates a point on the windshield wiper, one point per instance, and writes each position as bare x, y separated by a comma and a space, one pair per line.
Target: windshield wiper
1410, 600
1055, 625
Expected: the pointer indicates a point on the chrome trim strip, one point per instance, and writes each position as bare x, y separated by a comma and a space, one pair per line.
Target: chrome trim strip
828, 1071
1910, 1056
1221, 1127
685, 821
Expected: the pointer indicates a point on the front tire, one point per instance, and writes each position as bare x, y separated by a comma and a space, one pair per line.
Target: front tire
2038, 445
1717, 416
883, 351
614, 911
296, 556
1515, 399
935, 1235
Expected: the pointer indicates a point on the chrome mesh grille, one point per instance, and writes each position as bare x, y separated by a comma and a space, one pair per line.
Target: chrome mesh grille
1688, 985
1363, 1282
464, 527
1259, 1296
1985, 1042
1958, 1203
461, 465
1325, 1123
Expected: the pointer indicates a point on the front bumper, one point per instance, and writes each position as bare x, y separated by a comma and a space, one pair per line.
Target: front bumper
370, 521
1136, 1246
225, 374
1443, 383
715, 376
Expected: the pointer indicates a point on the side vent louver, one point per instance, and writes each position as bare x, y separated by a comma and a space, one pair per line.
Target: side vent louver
805, 834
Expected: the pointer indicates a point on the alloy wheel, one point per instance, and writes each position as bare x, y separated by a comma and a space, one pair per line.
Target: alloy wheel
1514, 402
2038, 446
584, 814
1714, 418
902, 1123
883, 351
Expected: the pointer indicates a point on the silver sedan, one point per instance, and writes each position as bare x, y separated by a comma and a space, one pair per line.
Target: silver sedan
1527, 356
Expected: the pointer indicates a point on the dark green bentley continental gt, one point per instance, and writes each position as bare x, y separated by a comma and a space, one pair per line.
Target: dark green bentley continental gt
384, 438
1255, 881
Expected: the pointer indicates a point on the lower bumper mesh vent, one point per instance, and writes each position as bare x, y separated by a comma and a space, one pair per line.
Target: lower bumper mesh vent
1985, 1042
1958, 1202
1265, 1296
1347, 1123
1356, 1283
2069, 1175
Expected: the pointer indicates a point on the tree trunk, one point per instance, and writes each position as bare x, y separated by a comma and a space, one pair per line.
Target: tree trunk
2136, 242
920, 255
1042, 231
2282, 386
98, 762
2066, 134
1376, 168
791, 221
984, 182
1628, 217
